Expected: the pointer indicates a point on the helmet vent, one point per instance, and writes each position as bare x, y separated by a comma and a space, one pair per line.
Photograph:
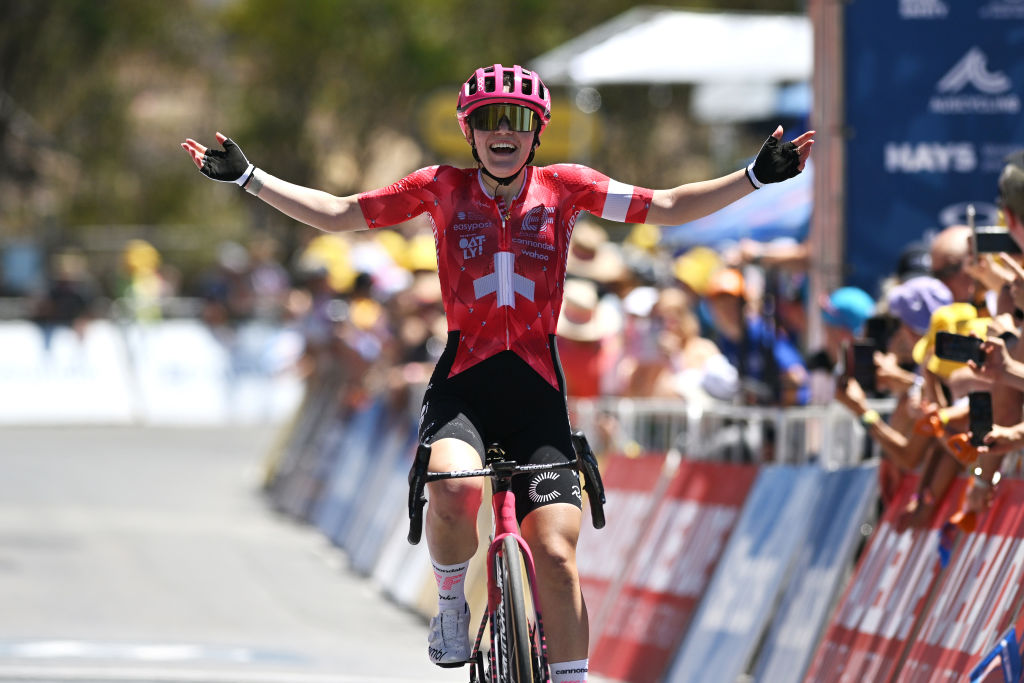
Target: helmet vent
489, 84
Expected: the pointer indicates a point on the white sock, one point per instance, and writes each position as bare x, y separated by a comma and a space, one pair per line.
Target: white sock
570, 672
451, 585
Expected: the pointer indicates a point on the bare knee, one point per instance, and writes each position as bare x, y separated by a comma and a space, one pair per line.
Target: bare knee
455, 500
555, 557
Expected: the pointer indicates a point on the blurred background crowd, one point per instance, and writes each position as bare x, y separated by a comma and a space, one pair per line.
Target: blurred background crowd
101, 218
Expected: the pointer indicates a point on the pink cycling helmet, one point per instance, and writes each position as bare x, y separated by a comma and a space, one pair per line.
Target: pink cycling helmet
518, 86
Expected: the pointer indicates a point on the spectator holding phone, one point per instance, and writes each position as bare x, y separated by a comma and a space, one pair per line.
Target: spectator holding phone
844, 313
1011, 196
903, 447
1000, 367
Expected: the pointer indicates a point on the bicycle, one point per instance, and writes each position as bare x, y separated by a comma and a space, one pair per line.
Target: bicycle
517, 648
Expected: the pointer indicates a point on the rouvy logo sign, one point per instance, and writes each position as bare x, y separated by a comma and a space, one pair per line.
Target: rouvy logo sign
969, 87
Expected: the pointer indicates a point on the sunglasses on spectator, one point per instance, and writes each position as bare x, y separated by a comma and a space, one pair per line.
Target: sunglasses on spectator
489, 117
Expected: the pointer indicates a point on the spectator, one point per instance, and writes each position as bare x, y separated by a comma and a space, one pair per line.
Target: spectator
1011, 195
592, 256
770, 368
693, 363
693, 270
588, 344
844, 313
69, 298
915, 261
269, 280
1003, 353
950, 253
903, 447
142, 288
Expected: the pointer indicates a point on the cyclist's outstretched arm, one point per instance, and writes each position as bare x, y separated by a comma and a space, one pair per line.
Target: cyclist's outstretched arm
319, 209
777, 161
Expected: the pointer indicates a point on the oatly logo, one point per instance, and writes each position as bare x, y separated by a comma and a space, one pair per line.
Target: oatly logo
472, 246
969, 87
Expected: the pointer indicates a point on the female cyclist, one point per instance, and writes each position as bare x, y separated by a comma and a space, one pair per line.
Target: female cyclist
502, 234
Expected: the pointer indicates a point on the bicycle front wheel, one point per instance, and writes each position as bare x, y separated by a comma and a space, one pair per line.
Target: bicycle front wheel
512, 659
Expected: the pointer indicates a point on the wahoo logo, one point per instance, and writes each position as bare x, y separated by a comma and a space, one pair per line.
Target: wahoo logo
993, 88
472, 246
504, 281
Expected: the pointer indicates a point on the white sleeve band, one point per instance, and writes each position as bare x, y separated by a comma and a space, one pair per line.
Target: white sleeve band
245, 176
617, 201
753, 178
256, 184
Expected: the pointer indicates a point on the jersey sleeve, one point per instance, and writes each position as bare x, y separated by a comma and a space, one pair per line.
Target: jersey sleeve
605, 197
400, 201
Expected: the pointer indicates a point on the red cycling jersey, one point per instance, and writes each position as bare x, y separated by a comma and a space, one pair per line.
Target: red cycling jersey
502, 267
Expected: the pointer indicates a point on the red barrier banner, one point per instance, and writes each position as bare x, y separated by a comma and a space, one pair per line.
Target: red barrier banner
876, 617
602, 555
670, 570
978, 596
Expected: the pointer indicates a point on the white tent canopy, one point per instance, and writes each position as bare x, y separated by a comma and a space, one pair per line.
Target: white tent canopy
654, 45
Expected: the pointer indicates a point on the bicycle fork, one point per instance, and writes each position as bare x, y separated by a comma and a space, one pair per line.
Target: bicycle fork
505, 524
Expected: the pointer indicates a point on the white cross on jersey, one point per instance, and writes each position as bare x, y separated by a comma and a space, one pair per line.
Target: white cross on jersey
505, 281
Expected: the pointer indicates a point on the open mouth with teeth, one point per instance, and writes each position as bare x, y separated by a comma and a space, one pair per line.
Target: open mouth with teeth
503, 148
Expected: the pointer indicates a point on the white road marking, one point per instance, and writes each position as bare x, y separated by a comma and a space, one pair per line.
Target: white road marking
72, 674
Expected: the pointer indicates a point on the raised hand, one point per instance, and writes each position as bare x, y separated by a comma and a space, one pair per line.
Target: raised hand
778, 161
228, 165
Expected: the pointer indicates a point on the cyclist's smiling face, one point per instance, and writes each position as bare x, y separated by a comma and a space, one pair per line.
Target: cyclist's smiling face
503, 151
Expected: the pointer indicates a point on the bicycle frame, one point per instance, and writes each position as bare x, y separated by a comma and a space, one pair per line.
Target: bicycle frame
505, 525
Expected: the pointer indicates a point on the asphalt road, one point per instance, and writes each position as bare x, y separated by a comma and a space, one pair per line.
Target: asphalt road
148, 554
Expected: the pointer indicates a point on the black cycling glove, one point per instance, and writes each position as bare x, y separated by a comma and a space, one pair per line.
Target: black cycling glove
228, 166
777, 161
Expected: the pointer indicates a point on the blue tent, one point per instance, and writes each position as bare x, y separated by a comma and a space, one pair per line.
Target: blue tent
774, 211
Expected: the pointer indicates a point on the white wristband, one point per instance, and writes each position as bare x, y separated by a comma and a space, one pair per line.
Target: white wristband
245, 176
753, 178
256, 183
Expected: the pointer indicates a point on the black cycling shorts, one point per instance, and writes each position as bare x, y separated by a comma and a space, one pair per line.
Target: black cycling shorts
503, 400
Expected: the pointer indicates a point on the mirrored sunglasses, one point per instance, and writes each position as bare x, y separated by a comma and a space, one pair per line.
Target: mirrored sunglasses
489, 117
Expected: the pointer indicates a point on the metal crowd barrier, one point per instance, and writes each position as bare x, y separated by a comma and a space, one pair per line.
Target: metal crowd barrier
829, 434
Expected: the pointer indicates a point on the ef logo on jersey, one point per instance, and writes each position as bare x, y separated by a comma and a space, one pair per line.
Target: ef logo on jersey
472, 246
538, 219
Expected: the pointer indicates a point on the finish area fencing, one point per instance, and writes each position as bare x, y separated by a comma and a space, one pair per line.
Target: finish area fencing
741, 544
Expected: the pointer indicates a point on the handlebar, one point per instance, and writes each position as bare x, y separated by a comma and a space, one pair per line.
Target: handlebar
586, 463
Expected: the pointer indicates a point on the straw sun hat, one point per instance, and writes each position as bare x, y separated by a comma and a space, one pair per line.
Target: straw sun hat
584, 318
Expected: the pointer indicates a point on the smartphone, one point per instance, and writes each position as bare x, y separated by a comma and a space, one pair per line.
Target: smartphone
958, 347
992, 239
980, 415
864, 366
879, 328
